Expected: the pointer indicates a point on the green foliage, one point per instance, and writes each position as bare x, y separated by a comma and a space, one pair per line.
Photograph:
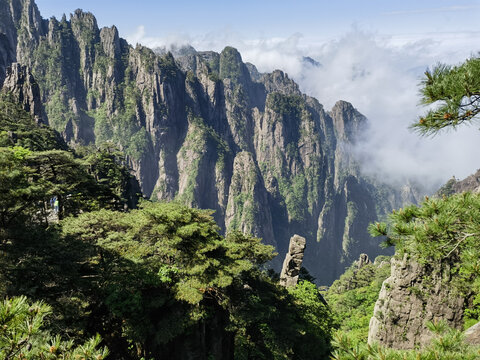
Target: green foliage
446, 344
107, 165
294, 191
353, 296
30, 179
285, 105
455, 92
170, 234
438, 229
34, 167
274, 323
171, 248
22, 336
441, 230
17, 193
162, 269
230, 65
18, 128
168, 67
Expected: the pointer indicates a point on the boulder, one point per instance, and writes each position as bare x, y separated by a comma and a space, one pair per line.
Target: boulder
472, 335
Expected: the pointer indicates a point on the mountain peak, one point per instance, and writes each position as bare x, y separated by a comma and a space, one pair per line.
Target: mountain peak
348, 121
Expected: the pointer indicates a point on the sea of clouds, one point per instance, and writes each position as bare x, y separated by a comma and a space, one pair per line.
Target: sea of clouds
380, 76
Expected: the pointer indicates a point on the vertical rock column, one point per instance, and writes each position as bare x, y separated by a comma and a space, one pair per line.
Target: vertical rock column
19, 82
293, 261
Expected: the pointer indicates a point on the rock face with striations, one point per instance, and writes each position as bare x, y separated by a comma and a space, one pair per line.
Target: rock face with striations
413, 295
208, 130
293, 261
20, 84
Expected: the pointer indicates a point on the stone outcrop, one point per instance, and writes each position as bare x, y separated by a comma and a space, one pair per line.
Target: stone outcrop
472, 334
293, 261
208, 130
413, 295
362, 261
20, 84
453, 186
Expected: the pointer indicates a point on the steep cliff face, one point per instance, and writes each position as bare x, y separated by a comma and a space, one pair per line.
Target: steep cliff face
20, 84
412, 296
208, 130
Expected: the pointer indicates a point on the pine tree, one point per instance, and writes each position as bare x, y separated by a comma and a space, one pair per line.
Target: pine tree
456, 92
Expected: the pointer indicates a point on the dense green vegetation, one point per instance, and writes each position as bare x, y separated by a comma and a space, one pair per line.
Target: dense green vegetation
230, 65
445, 229
440, 230
155, 282
23, 336
447, 344
353, 296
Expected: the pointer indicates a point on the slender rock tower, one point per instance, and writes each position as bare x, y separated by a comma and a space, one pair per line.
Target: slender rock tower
293, 261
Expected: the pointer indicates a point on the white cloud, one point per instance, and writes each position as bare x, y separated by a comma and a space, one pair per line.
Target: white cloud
379, 75
140, 37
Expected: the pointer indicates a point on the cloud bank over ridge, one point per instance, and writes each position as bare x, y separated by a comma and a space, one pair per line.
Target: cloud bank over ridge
379, 75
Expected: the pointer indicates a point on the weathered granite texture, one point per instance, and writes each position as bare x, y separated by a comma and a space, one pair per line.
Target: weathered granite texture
413, 295
293, 261
472, 334
20, 84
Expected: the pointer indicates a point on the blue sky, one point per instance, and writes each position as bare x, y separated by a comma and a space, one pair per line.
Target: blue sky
268, 18
373, 54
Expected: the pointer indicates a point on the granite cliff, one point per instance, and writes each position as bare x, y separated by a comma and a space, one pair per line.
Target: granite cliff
208, 130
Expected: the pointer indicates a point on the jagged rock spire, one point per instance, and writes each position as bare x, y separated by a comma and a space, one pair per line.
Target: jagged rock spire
293, 261
20, 84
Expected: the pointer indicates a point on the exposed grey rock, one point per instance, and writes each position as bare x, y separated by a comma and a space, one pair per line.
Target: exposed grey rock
254, 74
362, 261
248, 209
307, 60
293, 261
472, 334
470, 183
20, 84
349, 123
412, 296
278, 81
